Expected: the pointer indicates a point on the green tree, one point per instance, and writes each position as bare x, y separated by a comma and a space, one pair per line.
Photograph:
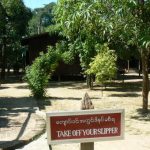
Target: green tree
130, 22
41, 19
89, 22
80, 25
103, 65
14, 25
3, 23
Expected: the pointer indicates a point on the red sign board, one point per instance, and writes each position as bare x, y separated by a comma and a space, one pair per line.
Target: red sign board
85, 126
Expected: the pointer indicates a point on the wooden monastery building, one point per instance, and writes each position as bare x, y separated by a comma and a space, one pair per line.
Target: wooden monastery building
38, 43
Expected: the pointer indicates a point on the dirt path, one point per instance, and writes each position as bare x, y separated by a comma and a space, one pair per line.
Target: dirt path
18, 119
68, 95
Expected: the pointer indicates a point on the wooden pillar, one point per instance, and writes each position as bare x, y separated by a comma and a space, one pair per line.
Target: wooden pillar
50, 147
139, 67
87, 146
87, 104
128, 65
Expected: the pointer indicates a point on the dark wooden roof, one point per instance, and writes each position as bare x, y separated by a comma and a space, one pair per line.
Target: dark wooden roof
52, 38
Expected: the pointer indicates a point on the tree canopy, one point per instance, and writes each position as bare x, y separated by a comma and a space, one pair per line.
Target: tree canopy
41, 19
14, 20
121, 23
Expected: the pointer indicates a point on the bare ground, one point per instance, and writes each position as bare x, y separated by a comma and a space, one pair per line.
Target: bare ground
19, 123
68, 95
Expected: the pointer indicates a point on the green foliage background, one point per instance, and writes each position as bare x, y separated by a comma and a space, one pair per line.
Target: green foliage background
42, 19
103, 65
14, 17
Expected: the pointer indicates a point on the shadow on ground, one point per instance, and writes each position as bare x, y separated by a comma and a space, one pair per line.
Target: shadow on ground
64, 98
69, 98
22, 87
69, 84
123, 89
43, 102
3, 87
141, 115
125, 95
11, 107
15, 115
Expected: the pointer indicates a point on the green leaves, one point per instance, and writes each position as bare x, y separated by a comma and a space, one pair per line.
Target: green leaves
103, 65
41, 20
123, 24
14, 17
38, 74
17, 20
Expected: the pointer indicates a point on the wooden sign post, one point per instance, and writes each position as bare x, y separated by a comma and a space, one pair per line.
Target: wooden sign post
87, 104
85, 126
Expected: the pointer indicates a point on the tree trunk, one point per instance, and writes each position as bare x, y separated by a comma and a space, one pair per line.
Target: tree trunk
3, 59
145, 90
89, 81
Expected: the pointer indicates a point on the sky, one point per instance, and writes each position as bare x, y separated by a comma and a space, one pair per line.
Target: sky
37, 3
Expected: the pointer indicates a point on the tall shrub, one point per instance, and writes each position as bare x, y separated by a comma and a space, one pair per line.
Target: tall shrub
103, 65
38, 74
